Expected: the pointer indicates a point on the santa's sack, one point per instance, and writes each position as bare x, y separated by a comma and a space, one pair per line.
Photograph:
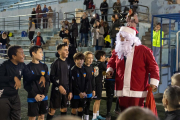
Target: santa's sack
150, 102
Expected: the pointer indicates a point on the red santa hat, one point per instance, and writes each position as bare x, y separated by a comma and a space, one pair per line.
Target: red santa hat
130, 30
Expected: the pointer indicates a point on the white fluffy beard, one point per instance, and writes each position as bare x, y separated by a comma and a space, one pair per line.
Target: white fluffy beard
123, 48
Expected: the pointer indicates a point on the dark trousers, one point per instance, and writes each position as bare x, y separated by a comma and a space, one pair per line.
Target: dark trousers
104, 16
10, 108
45, 22
31, 35
113, 41
39, 23
97, 47
74, 41
109, 93
84, 35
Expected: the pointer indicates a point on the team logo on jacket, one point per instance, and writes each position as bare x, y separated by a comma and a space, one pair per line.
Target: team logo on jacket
77, 75
1, 92
84, 74
42, 72
20, 72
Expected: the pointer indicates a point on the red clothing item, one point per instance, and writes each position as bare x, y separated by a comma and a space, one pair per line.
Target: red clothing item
132, 79
38, 42
150, 102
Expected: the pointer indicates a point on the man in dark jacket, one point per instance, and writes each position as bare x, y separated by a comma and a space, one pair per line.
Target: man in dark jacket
85, 27
74, 32
104, 9
89, 5
114, 29
133, 2
117, 7
34, 17
65, 33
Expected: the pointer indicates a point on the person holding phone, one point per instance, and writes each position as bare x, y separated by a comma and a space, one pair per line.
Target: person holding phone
132, 18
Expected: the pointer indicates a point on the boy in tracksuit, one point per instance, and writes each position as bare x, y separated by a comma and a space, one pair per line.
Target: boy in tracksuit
91, 86
100, 56
11, 72
61, 91
37, 94
110, 84
79, 85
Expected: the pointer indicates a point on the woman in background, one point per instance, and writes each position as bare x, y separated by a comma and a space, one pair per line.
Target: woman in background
38, 16
132, 18
98, 35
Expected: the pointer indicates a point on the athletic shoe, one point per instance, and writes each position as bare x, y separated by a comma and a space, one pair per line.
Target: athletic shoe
100, 118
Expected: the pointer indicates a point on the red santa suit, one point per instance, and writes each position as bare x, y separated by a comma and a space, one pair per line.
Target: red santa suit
132, 75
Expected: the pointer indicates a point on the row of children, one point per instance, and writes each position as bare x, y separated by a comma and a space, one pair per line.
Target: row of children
77, 84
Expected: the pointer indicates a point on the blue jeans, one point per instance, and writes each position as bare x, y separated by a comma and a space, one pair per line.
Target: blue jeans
97, 47
84, 35
156, 53
113, 41
2, 51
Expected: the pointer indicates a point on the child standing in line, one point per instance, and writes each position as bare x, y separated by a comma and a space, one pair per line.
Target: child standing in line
61, 91
101, 66
79, 85
91, 87
37, 94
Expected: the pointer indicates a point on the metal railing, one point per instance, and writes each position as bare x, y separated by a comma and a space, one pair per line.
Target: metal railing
22, 21
31, 3
97, 10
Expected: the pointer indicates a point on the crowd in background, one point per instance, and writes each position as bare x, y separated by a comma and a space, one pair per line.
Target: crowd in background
96, 27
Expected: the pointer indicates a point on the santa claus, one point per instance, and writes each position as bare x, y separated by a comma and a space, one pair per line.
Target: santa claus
133, 62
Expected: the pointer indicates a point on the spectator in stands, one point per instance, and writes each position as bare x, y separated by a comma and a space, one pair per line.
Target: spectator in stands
38, 16
132, 18
157, 43
104, 9
118, 20
31, 29
106, 32
94, 18
117, 7
171, 102
65, 33
89, 5
137, 113
38, 40
74, 32
85, 27
50, 17
65, 24
114, 29
98, 38
102, 22
133, 3
34, 17
45, 19
4, 41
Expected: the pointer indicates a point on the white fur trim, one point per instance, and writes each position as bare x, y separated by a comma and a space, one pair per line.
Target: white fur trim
154, 81
130, 93
127, 73
128, 30
110, 69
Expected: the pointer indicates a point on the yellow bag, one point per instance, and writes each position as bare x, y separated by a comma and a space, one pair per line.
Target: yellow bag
107, 39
